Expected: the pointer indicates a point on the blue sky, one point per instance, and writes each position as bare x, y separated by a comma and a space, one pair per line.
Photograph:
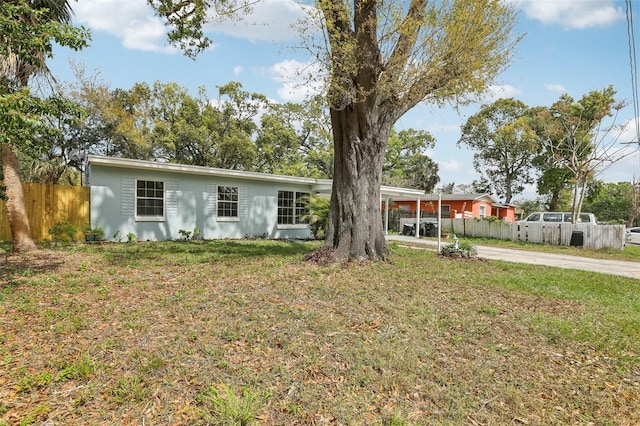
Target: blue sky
570, 46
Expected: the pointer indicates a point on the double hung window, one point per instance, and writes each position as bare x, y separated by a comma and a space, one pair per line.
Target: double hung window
228, 201
149, 199
293, 207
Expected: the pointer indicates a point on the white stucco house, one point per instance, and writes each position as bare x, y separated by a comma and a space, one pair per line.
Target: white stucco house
156, 200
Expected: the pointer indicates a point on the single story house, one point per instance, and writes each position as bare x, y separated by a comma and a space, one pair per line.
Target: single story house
156, 200
458, 206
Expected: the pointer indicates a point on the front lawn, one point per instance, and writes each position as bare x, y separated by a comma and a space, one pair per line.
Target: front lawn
241, 332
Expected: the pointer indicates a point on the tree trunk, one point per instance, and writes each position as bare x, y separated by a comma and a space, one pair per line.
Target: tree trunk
508, 191
355, 220
16, 211
583, 191
554, 203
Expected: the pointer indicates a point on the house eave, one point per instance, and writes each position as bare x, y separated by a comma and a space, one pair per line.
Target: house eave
405, 193
128, 163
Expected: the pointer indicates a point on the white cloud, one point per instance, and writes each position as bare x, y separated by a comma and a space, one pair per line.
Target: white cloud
573, 14
269, 20
132, 21
237, 70
452, 165
135, 24
442, 128
299, 80
495, 92
555, 87
629, 131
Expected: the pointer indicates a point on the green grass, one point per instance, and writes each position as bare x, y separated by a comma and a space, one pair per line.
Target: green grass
630, 253
246, 332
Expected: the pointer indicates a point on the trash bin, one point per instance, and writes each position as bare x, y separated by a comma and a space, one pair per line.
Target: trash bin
432, 229
408, 229
577, 239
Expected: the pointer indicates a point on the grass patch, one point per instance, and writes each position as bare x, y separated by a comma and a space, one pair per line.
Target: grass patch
631, 253
221, 406
246, 332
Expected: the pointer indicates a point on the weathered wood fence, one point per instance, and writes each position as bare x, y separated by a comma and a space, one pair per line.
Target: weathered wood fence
47, 205
564, 234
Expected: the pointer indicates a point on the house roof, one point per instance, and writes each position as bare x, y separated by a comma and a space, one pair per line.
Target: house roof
317, 185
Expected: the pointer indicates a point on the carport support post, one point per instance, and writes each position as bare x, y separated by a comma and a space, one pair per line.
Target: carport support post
386, 216
439, 218
418, 218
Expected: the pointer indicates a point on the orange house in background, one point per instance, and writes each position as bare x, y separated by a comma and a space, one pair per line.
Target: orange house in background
458, 206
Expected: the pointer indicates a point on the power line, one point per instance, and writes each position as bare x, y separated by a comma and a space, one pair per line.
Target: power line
634, 68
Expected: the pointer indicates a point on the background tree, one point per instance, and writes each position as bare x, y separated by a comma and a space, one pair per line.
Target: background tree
482, 186
575, 138
95, 132
634, 211
28, 30
208, 132
179, 132
164, 122
529, 206
504, 145
610, 202
235, 124
554, 179
457, 188
554, 182
314, 137
406, 163
296, 139
382, 58
277, 147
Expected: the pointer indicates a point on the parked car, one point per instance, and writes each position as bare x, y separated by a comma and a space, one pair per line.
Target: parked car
633, 235
559, 217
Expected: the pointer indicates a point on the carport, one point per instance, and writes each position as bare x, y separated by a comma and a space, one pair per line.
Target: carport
387, 193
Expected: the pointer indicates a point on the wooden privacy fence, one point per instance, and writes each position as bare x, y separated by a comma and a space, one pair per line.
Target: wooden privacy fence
47, 205
565, 234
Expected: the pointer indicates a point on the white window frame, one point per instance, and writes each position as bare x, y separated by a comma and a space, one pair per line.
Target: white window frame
151, 218
221, 218
297, 196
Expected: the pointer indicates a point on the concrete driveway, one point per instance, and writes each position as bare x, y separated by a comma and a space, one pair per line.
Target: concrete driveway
612, 267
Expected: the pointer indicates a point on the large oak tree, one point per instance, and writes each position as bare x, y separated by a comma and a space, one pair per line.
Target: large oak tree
382, 58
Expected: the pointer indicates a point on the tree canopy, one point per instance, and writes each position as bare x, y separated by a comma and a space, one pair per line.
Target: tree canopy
27, 35
505, 144
406, 162
28, 30
577, 142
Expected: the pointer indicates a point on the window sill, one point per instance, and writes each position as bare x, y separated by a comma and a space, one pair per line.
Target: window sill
227, 219
150, 218
296, 226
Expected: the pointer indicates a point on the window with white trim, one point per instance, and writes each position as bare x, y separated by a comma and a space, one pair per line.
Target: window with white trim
149, 199
293, 206
227, 201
